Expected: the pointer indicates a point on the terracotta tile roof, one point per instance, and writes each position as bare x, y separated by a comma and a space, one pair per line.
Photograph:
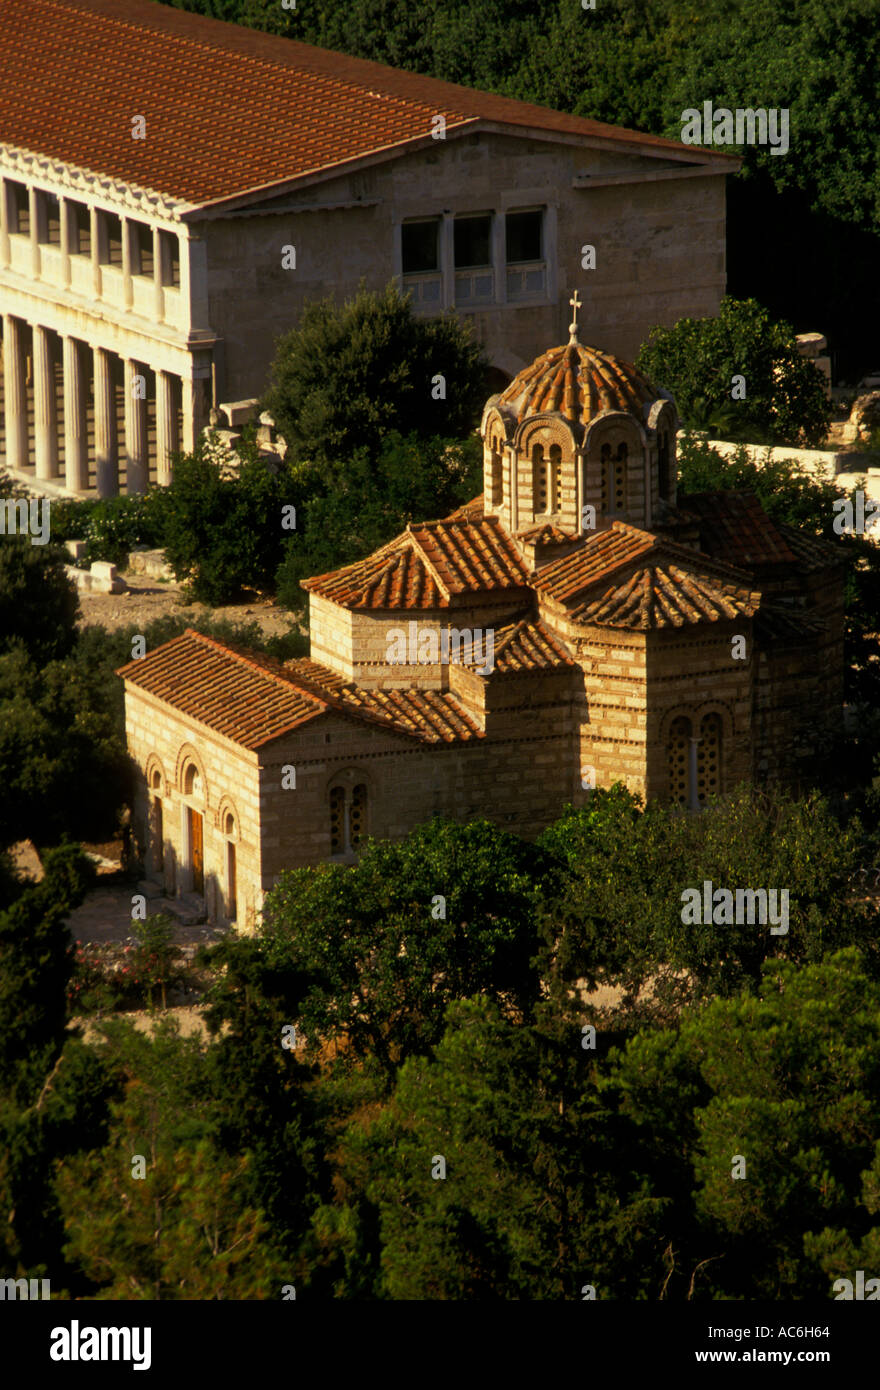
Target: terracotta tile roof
527, 646
811, 552
602, 554
245, 697
468, 511
434, 716
227, 109
578, 382
428, 566
735, 527
662, 595
545, 534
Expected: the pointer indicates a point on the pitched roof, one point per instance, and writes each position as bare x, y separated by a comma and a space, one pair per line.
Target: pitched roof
735, 527
245, 697
661, 595
779, 625
528, 646
812, 552
624, 577
434, 716
252, 700
229, 110
428, 566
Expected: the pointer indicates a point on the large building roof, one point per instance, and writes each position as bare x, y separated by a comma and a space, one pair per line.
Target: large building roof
230, 111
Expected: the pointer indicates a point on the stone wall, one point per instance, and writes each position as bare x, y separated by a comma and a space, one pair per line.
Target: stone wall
660, 247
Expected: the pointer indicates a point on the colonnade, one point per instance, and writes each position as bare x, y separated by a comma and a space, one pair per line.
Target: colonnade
179, 405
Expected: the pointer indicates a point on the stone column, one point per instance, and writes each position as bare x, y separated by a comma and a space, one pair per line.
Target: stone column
4, 223
167, 442
45, 406
158, 289
127, 290
194, 412
137, 467
95, 230
76, 444
106, 453
64, 232
33, 218
15, 394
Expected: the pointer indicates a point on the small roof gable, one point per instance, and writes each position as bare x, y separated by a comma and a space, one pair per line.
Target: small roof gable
527, 647
734, 527
428, 566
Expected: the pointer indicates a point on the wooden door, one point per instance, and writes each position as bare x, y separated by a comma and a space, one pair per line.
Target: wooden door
196, 850
231, 885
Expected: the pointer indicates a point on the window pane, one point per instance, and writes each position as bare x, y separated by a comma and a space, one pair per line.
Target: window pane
472, 241
419, 242
524, 236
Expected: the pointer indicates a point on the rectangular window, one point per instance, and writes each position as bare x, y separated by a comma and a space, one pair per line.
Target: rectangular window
169, 248
79, 222
472, 242
141, 249
48, 219
111, 251
523, 237
420, 247
18, 208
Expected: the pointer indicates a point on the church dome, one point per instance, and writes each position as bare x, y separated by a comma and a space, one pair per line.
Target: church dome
578, 382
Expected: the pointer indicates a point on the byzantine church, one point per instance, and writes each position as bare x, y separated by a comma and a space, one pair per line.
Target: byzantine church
679, 650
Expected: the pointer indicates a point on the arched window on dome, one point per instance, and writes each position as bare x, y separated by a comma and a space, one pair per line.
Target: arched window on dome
614, 479
555, 477
497, 478
540, 480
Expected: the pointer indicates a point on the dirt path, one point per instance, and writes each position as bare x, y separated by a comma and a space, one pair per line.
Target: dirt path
147, 599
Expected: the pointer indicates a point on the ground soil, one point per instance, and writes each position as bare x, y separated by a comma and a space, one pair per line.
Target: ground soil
147, 599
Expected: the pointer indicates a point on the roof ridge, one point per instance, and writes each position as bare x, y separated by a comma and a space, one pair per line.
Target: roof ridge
279, 675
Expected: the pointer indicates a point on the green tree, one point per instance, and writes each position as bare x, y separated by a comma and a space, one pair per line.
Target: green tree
699, 359
349, 375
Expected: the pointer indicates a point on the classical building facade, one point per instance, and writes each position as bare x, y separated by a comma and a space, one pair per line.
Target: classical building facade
174, 189
570, 628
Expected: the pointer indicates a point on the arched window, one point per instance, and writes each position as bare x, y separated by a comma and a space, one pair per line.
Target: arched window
555, 477
540, 480
192, 781
348, 817
157, 823
664, 475
709, 758
497, 493
613, 479
231, 867
678, 747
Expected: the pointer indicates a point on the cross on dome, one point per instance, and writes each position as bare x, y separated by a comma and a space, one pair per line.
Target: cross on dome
573, 326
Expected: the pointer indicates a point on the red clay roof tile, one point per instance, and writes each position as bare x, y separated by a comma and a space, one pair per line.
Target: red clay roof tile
227, 109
